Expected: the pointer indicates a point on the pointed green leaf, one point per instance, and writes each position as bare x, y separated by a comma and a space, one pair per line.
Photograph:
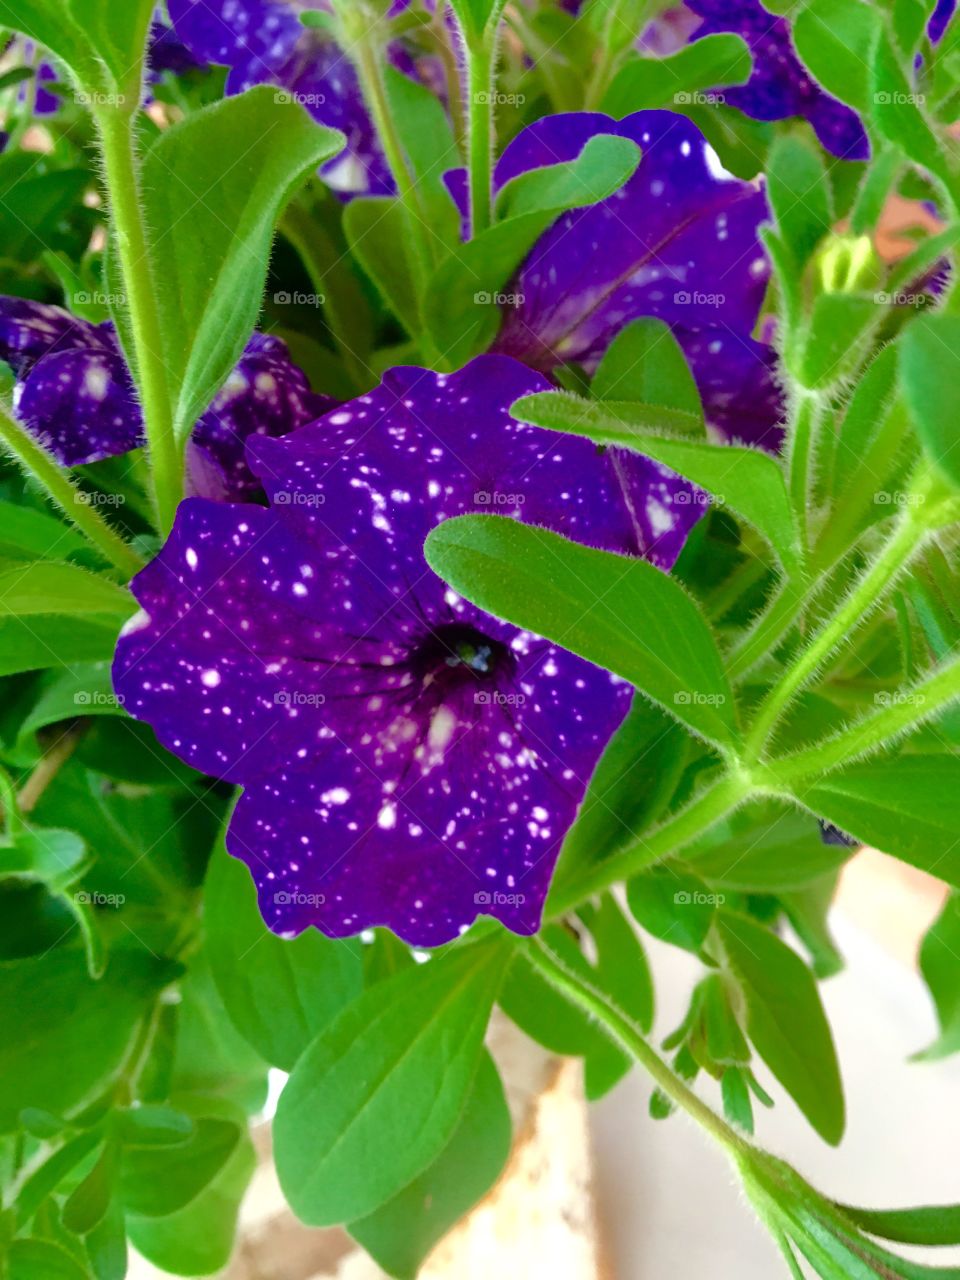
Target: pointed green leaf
678, 79
618, 612
931, 388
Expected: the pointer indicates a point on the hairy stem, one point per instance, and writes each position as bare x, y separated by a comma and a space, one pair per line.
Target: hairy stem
710, 807
117, 131
868, 593
481, 92
622, 1031
801, 452
35, 460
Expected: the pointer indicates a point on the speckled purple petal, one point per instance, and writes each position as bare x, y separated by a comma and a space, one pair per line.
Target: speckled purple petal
739, 384
81, 405
678, 241
75, 394
779, 85
265, 395
407, 760
264, 41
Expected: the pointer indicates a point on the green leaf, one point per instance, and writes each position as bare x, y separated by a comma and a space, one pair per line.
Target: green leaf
835, 337
931, 390
198, 1239
626, 420
279, 992
858, 431
237, 164
749, 481
618, 612
46, 587
44, 641
157, 1181
737, 1106
88, 1203
430, 147
53, 1012
155, 1127
835, 40
36, 536
603, 166
673, 905
42, 1260
477, 16
630, 788
622, 972
102, 42
767, 850
908, 806
377, 1096
460, 308
940, 967
785, 1020
542, 1012
928, 1225
376, 230
897, 112
401, 1233
645, 363
680, 78
799, 195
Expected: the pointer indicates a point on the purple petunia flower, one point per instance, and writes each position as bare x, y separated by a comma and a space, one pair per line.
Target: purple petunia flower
940, 19
407, 759
779, 85
678, 241
75, 394
264, 41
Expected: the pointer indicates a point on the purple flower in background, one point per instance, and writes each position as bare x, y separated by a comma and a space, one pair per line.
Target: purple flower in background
780, 86
678, 241
74, 393
940, 19
407, 759
264, 41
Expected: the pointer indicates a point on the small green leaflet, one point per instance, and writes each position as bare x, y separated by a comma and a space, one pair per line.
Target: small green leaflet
931, 389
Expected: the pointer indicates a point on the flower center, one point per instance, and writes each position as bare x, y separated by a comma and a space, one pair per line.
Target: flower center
456, 653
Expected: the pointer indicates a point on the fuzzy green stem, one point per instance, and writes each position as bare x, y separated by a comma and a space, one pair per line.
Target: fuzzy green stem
710, 807
117, 131
869, 592
801, 451
903, 711
481, 92
35, 460
788, 603
622, 1031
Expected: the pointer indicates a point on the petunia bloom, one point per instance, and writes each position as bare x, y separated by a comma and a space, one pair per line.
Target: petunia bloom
264, 42
780, 86
75, 394
406, 759
678, 241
